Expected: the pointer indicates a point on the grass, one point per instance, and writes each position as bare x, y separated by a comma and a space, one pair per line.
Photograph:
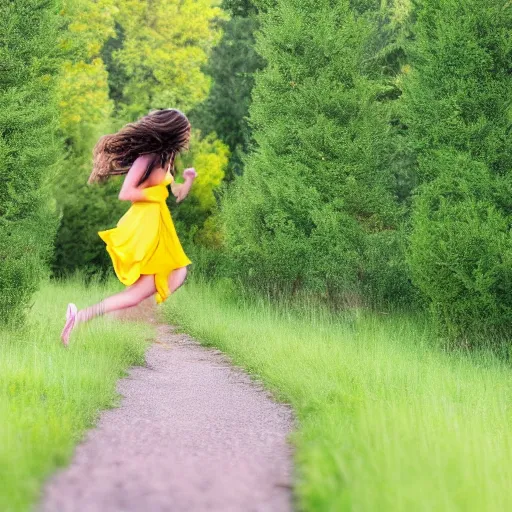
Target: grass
385, 420
50, 395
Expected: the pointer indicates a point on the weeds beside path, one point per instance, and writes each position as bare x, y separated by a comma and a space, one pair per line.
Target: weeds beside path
50, 395
387, 421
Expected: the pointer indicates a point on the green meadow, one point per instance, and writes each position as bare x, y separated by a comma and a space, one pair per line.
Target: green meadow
356, 151
385, 420
50, 395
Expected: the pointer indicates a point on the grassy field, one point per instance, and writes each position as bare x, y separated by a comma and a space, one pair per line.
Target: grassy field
50, 395
386, 421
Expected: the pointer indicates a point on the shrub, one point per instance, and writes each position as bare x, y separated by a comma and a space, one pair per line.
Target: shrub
461, 249
30, 151
457, 102
318, 186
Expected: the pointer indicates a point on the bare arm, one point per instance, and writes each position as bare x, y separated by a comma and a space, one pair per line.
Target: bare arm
181, 190
129, 191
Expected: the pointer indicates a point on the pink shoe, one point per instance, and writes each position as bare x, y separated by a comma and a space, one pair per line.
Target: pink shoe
71, 313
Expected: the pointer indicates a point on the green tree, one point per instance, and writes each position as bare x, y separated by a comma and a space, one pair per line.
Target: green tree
315, 207
165, 45
232, 66
30, 150
457, 105
84, 103
85, 114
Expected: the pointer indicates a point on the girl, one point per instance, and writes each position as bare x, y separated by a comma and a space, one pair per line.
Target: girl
144, 248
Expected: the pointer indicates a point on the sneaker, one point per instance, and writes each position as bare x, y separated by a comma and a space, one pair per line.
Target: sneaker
71, 313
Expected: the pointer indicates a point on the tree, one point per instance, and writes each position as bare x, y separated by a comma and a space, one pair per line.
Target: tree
85, 114
316, 193
85, 106
30, 150
457, 106
232, 66
165, 45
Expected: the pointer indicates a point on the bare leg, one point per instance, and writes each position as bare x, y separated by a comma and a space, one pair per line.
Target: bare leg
177, 278
131, 296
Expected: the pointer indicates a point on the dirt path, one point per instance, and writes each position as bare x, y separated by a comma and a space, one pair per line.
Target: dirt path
192, 434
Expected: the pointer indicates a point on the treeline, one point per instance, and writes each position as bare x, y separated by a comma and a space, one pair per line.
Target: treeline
379, 171
354, 150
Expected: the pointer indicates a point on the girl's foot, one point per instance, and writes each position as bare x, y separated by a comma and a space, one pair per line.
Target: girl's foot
71, 314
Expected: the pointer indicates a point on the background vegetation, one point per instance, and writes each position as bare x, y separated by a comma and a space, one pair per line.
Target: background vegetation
356, 151
50, 396
354, 157
30, 150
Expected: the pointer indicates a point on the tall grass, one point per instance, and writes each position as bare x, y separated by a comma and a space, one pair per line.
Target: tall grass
386, 421
50, 395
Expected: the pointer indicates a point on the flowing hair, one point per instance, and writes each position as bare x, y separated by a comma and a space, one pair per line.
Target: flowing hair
162, 133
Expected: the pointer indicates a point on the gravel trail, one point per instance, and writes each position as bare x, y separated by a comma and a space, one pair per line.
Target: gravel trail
192, 434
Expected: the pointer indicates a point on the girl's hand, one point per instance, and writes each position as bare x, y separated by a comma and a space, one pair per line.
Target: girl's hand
190, 173
181, 190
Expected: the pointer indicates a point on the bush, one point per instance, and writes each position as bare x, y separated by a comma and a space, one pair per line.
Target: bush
318, 187
387, 277
29, 149
86, 209
457, 108
461, 249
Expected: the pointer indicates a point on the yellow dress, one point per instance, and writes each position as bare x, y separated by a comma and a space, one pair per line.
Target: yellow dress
145, 241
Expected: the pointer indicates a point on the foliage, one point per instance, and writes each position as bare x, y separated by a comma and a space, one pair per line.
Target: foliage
209, 156
457, 106
30, 150
84, 102
461, 251
193, 216
232, 65
317, 189
85, 107
86, 210
85, 114
240, 7
165, 45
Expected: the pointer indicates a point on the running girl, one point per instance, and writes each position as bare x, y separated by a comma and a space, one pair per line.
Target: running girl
144, 247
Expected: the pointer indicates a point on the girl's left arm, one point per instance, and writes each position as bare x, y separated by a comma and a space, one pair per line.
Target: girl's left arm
181, 190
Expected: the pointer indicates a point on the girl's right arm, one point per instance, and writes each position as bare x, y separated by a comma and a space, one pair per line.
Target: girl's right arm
129, 190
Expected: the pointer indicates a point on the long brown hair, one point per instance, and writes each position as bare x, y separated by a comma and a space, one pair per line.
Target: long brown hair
162, 133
